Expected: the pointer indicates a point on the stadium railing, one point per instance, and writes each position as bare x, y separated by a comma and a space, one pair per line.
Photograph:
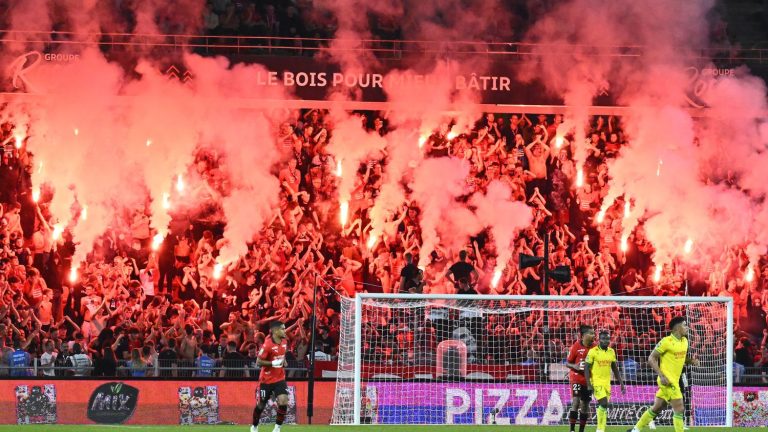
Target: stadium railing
751, 375
385, 48
176, 369
187, 369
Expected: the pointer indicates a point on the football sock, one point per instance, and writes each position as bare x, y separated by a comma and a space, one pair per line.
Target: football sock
647, 417
677, 420
257, 414
583, 417
602, 418
572, 416
281, 410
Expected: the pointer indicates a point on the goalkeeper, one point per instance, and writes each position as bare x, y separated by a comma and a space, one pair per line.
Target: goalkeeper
601, 360
667, 360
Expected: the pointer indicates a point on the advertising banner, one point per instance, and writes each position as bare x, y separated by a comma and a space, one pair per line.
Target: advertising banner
308, 78
314, 79
155, 402
199, 405
112, 403
136, 402
36, 404
750, 406
537, 404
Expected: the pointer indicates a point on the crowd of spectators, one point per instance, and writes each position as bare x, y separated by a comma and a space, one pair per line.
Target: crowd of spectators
136, 307
291, 19
317, 25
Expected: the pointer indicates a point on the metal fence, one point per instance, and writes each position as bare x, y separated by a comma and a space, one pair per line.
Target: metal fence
294, 369
221, 368
755, 53
752, 375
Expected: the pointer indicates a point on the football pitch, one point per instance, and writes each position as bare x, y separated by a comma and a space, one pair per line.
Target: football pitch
326, 428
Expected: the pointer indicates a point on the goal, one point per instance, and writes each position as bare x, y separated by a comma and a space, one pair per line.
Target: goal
466, 359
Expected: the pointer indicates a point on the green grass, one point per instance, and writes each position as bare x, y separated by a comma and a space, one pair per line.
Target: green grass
326, 428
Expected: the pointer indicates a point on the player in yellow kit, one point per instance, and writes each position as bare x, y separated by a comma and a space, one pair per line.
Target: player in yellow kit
667, 360
601, 360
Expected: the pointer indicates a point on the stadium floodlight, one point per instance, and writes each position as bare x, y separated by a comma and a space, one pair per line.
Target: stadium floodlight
476, 359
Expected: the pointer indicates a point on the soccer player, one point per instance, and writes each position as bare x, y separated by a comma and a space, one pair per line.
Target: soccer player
272, 378
580, 393
601, 360
667, 360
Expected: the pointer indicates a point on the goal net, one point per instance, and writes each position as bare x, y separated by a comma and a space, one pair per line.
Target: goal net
451, 359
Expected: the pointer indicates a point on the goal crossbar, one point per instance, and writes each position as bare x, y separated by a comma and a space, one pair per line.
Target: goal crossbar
545, 298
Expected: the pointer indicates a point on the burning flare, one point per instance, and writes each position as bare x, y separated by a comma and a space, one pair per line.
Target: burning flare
157, 240
218, 270
558, 142
73, 274
658, 168
179, 184
657, 274
422, 141
36, 194
626, 208
451, 135
600, 216
344, 212
84, 213
149, 142
166, 201
496, 278
19, 141
750, 275
624, 243
580, 177
338, 168
688, 246
77, 131
372, 241
57, 230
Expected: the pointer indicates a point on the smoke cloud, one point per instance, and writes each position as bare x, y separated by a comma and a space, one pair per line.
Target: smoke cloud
106, 138
436, 185
496, 210
674, 167
112, 139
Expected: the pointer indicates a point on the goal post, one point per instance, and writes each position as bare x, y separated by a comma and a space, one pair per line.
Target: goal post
481, 359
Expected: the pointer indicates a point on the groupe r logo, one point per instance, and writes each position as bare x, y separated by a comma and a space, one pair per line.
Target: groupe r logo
60, 58
715, 72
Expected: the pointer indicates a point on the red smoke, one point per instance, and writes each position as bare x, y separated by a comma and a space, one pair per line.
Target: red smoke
109, 139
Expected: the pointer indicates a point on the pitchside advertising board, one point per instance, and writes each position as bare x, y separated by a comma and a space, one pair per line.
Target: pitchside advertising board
112, 403
147, 402
314, 79
529, 404
540, 404
142, 402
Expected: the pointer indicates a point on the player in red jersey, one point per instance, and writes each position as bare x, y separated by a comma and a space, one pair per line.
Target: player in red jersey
581, 396
272, 377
